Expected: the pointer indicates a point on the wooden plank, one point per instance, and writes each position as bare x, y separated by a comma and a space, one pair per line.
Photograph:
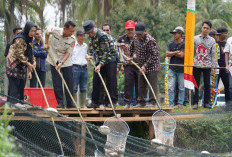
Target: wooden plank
101, 119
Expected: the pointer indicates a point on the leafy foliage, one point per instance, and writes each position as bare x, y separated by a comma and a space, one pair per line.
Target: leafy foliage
7, 146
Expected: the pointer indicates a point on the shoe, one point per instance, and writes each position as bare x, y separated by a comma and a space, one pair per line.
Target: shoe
92, 105
207, 106
110, 106
101, 106
140, 106
60, 106
127, 106
71, 106
195, 107
151, 106
180, 107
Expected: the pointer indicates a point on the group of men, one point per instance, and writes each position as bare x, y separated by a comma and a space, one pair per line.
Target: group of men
70, 55
207, 56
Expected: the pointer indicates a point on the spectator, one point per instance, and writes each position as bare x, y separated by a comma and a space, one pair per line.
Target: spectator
40, 55
175, 50
80, 70
225, 76
204, 55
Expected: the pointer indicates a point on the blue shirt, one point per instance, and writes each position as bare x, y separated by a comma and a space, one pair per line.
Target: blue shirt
40, 55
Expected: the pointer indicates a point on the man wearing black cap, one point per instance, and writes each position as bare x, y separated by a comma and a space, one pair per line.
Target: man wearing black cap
175, 50
80, 71
106, 62
144, 51
223, 74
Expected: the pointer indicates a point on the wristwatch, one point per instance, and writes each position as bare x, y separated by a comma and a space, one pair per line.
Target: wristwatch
58, 62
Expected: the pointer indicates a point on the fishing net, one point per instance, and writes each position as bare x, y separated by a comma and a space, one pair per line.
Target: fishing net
35, 136
164, 127
116, 138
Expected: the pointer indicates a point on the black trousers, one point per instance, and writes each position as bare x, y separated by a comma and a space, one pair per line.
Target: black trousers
225, 80
206, 75
16, 89
131, 80
143, 88
34, 81
108, 72
57, 84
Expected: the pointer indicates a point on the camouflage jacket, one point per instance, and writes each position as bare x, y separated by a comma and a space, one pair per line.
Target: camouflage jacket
103, 47
16, 59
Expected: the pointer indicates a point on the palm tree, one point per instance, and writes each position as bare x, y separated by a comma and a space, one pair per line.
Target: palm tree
216, 11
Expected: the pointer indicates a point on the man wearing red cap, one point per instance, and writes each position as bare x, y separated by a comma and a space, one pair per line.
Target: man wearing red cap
131, 72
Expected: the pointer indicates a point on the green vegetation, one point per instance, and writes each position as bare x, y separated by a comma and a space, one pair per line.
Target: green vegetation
211, 134
7, 146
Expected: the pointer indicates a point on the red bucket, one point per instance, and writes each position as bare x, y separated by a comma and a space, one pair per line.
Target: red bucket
35, 97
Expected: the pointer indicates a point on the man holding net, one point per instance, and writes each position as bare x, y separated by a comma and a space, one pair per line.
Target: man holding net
101, 44
144, 51
60, 49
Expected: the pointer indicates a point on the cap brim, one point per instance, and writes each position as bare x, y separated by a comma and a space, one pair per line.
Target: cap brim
88, 31
129, 27
139, 32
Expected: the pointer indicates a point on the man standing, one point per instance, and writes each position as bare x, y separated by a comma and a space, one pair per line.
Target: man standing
228, 58
131, 72
144, 50
40, 55
221, 61
80, 71
204, 55
106, 62
175, 50
60, 47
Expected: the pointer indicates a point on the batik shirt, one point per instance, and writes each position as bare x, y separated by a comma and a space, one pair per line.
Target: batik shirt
102, 45
146, 53
204, 51
16, 59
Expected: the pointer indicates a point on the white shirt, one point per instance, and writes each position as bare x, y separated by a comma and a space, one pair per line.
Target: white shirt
228, 48
79, 54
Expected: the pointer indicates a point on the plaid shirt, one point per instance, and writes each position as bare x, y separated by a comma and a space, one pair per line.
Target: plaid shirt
146, 53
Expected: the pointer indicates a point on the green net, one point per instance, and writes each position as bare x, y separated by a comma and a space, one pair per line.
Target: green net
35, 136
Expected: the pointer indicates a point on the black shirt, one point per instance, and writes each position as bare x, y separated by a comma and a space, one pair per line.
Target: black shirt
173, 46
221, 61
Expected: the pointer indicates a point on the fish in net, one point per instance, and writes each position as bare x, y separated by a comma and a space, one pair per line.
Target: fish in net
117, 137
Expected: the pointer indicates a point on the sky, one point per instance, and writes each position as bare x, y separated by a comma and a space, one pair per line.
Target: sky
50, 15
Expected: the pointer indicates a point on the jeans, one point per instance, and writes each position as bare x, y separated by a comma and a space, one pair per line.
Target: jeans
42, 77
173, 78
80, 77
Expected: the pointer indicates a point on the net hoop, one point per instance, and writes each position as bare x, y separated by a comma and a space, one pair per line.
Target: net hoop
154, 119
